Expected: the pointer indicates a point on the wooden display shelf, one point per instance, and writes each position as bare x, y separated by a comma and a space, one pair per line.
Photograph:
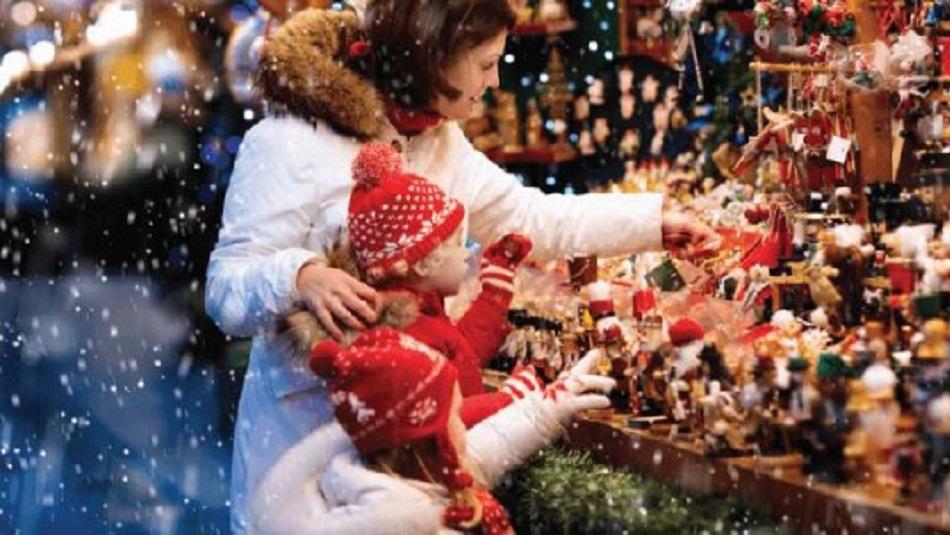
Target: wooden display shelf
658, 50
775, 483
541, 155
544, 28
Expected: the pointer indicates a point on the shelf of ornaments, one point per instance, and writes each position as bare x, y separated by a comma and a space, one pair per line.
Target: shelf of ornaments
542, 154
774, 482
658, 49
530, 28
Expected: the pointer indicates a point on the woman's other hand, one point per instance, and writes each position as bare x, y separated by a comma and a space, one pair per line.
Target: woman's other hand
686, 237
335, 296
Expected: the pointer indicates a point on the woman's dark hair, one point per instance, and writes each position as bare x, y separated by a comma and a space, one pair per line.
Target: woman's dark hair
414, 41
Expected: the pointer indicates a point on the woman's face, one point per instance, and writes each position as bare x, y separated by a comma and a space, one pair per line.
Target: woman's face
472, 73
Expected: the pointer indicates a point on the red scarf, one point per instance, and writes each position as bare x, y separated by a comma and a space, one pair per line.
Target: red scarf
410, 122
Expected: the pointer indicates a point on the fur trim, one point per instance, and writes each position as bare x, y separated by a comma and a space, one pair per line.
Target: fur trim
303, 72
300, 330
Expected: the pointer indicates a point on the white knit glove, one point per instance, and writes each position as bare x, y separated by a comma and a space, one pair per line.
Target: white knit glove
523, 383
573, 391
536, 417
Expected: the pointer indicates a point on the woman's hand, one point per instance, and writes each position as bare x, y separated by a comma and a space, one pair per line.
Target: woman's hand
333, 295
686, 237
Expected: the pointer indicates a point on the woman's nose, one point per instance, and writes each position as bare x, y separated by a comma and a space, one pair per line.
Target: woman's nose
493, 80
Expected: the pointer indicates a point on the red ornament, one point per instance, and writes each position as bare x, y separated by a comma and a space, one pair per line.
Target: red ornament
358, 49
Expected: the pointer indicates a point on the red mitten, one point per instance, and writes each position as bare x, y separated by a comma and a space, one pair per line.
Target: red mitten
508, 252
500, 260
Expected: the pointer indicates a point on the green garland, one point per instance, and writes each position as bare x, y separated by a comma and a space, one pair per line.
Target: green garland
567, 492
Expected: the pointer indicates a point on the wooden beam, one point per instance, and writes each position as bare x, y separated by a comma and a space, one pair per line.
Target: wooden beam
871, 110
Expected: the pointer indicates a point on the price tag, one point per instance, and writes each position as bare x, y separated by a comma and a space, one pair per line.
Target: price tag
838, 149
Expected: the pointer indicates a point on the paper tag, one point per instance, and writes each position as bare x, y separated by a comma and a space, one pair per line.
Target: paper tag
798, 141
838, 149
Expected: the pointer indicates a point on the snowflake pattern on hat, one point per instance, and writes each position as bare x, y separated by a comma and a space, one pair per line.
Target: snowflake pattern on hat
408, 342
396, 215
357, 406
422, 411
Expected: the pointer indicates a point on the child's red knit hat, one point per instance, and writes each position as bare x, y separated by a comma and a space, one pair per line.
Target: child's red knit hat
395, 215
387, 388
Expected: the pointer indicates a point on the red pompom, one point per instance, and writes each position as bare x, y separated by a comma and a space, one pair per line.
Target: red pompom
685, 331
322, 357
458, 479
358, 49
375, 163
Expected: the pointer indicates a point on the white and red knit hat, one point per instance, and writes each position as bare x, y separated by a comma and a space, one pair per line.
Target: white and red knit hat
387, 388
686, 335
395, 215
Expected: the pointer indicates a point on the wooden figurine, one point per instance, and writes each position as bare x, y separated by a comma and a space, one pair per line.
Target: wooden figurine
937, 440
625, 78
824, 437
722, 423
759, 399
879, 421
686, 385
534, 126
652, 380
619, 361
506, 118
552, 10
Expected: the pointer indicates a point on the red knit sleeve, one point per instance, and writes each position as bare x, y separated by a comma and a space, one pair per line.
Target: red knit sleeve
478, 407
485, 323
439, 334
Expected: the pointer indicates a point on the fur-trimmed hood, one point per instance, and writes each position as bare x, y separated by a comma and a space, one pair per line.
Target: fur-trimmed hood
301, 330
304, 71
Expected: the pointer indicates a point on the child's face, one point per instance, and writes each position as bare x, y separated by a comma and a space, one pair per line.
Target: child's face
447, 265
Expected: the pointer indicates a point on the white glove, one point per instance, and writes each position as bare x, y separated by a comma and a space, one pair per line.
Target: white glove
536, 417
572, 392
523, 383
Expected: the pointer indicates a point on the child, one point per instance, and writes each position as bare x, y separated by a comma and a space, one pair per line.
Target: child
400, 403
410, 472
407, 242
406, 236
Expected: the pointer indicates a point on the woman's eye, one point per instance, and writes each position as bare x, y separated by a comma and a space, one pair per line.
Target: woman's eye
488, 67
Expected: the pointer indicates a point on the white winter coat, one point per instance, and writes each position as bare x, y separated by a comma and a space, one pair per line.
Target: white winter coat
289, 195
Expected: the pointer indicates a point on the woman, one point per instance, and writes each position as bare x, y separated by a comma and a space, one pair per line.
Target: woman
414, 70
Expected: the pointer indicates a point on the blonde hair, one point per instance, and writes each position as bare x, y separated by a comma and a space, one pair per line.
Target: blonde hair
418, 460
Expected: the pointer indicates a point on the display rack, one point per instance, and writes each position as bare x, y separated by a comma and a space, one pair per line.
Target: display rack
545, 155
543, 28
775, 483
